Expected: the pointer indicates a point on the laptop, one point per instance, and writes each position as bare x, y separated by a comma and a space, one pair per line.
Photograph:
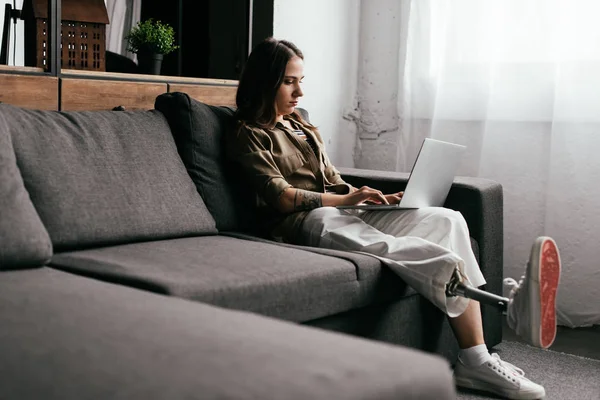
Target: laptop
430, 178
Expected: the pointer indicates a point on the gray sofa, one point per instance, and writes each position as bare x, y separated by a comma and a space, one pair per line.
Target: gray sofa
130, 268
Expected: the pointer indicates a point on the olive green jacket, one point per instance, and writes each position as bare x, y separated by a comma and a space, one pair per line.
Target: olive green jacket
273, 160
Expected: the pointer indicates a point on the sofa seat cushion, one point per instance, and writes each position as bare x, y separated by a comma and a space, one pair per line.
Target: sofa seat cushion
68, 337
279, 281
24, 241
105, 177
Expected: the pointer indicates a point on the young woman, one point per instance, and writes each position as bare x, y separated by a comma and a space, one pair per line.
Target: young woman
297, 189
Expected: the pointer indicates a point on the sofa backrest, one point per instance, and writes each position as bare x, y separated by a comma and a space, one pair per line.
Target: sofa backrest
200, 131
105, 177
24, 241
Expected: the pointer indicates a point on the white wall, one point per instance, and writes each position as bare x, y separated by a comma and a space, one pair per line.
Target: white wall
20, 57
379, 54
327, 33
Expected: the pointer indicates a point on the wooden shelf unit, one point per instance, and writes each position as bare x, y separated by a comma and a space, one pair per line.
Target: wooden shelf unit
86, 90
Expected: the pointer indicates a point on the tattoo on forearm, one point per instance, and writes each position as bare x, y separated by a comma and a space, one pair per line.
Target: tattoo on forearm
305, 200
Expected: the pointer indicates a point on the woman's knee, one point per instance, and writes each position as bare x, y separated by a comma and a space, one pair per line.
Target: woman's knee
321, 214
447, 216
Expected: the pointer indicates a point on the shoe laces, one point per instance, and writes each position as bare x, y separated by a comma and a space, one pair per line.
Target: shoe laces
504, 365
513, 284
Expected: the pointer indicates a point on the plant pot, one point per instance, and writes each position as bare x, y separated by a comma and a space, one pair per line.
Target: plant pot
149, 63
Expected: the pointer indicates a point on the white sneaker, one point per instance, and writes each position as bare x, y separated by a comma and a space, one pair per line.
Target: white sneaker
531, 310
498, 377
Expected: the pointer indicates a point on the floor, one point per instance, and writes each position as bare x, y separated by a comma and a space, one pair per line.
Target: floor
584, 342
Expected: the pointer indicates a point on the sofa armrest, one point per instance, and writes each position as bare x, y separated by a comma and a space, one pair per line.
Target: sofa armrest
481, 203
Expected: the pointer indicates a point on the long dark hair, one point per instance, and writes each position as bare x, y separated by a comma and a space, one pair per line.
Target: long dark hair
262, 75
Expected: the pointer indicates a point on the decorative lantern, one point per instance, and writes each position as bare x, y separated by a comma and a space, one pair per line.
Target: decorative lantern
82, 34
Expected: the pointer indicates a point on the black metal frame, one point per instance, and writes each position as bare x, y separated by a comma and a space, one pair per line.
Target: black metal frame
179, 36
53, 23
5, 34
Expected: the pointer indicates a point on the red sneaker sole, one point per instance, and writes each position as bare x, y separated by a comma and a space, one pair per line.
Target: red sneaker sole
549, 278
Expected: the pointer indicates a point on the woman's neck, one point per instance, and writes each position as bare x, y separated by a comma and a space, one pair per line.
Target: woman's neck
284, 122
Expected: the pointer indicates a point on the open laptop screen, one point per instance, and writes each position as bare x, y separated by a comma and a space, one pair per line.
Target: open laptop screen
430, 179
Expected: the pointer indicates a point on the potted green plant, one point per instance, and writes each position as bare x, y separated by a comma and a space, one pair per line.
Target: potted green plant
150, 40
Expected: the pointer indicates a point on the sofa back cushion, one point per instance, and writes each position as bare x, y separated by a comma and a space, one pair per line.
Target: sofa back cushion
24, 241
200, 131
105, 177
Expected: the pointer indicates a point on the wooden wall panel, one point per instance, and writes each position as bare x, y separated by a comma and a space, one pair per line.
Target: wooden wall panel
213, 95
29, 91
93, 94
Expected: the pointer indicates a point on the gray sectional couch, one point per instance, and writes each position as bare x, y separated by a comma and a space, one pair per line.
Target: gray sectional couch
130, 268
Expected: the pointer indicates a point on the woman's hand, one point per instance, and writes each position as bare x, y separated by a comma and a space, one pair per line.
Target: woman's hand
366, 194
293, 199
394, 198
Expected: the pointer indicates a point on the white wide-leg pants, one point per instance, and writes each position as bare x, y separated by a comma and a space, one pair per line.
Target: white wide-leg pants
422, 246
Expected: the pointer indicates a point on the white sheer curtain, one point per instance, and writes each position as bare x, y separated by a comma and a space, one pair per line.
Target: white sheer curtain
518, 82
123, 15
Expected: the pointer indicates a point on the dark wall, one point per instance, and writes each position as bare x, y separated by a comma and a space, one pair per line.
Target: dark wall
213, 34
168, 13
228, 38
262, 20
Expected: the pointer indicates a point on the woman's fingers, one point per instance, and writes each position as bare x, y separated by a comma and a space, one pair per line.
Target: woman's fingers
374, 196
394, 198
379, 196
366, 193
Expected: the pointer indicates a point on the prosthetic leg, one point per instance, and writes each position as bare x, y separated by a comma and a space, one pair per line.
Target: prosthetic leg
531, 306
460, 286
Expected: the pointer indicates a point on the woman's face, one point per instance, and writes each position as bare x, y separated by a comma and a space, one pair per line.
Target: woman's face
290, 91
